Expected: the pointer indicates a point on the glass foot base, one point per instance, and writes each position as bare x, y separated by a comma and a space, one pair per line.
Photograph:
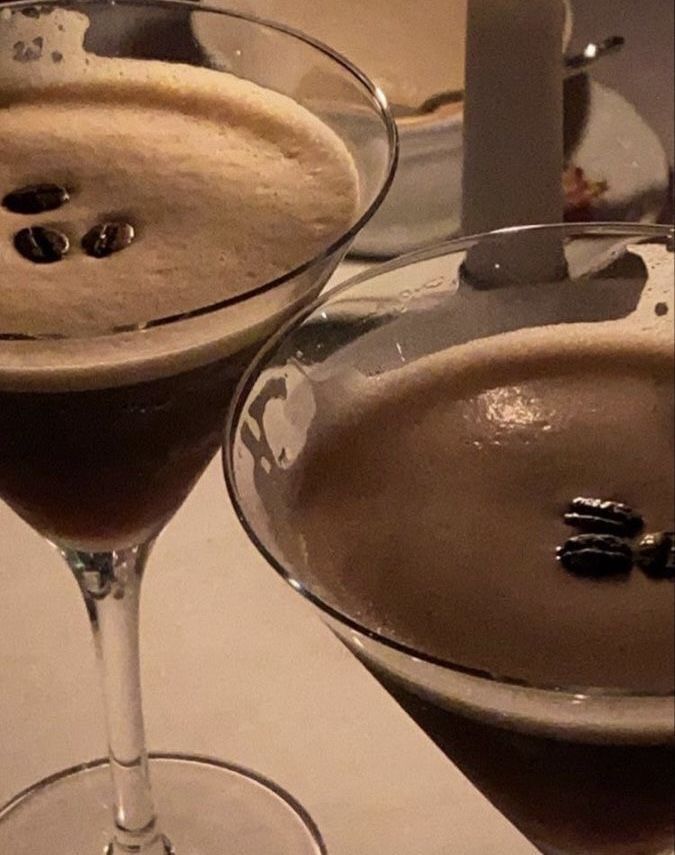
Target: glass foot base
205, 808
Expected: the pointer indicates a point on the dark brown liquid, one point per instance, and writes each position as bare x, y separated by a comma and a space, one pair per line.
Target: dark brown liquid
105, 468
566, 797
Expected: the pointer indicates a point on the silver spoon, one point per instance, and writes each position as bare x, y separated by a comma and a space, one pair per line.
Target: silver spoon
574, 65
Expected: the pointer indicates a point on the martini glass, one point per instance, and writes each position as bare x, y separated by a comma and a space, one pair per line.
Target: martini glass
104, 432
432, 554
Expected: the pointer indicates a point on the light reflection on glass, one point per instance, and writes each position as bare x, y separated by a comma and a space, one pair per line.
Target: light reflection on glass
510, 407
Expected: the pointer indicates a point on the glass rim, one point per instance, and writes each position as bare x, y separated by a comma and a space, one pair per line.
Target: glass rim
379, 101
260, 363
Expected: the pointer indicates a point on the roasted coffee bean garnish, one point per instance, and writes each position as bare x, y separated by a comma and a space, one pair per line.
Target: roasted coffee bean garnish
106, 238
598, 516
655, 554
41, 245
36, 199
596, 555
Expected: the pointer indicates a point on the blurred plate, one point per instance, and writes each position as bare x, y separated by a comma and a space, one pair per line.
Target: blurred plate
617, 147
607, 139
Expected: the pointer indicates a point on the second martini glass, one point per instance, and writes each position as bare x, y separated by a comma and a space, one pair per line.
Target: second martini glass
418, 456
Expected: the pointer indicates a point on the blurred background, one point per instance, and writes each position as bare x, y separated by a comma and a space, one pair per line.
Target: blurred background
619, 120
644, 72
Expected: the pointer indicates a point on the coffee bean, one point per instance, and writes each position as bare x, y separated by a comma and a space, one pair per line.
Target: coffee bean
106, 238
656, 554
35, 199
41, 245
596, 555
599, 516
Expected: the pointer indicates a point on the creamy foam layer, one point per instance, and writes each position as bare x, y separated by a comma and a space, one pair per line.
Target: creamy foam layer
429, 503
228, 186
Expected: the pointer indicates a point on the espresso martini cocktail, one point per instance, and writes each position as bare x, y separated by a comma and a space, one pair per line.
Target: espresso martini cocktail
136, 191
476, 486
158, 220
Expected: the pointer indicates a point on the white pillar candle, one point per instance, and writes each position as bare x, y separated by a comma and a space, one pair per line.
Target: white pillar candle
513, 135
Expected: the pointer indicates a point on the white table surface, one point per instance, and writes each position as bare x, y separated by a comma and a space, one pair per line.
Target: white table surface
236, 666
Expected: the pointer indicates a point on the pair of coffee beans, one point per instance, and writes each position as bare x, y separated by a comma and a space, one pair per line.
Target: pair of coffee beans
604, 549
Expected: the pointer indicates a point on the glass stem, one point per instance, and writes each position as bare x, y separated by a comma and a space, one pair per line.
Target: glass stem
110, 583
